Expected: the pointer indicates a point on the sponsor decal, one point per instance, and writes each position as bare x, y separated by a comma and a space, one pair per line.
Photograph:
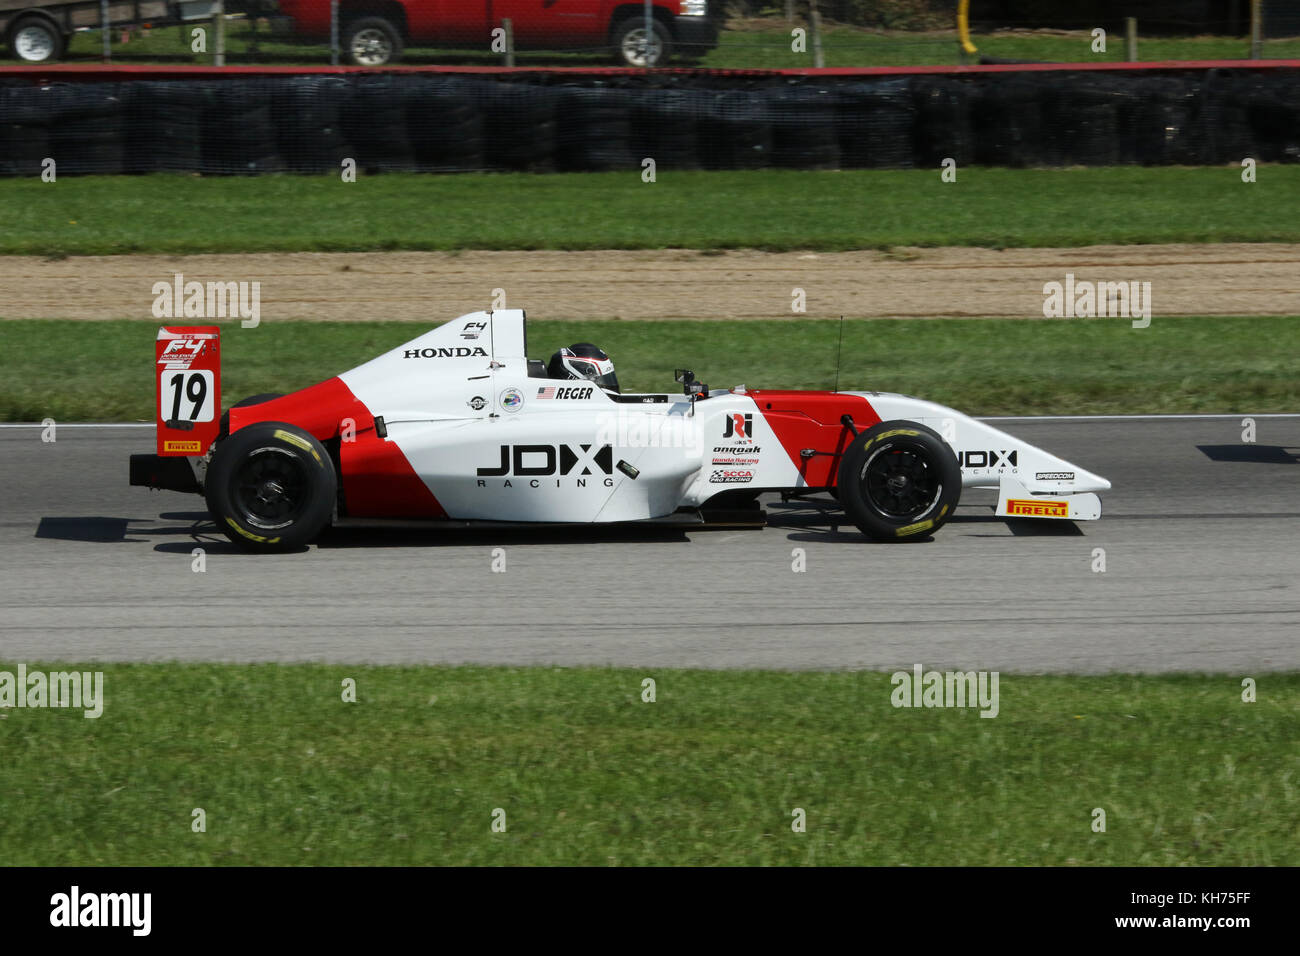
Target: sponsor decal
478, 403
549, 461
566, 391
740, 427
731, 476
1038, 508
297, 440
512, 399
735, 461
736, 449
917, 528
184, 446
987, 459
249, 535
472, 330
459, 351
180, 354
1054, 476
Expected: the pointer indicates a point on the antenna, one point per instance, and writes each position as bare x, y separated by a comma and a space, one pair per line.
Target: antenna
838, 349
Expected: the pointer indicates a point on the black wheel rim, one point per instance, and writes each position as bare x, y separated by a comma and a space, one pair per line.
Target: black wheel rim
900, 483
271, 488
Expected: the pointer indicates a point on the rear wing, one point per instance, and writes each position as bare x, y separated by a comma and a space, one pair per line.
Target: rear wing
187, 377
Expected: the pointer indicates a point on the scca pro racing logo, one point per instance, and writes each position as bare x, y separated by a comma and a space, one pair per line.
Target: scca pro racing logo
460, 351
739, 427
731, 476
557, 462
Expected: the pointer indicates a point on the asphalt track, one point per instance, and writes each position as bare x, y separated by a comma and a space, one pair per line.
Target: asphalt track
1201, 534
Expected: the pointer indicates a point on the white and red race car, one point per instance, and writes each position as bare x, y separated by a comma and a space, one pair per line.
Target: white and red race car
460, 426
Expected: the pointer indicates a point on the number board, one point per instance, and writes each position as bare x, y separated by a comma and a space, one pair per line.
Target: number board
188, 388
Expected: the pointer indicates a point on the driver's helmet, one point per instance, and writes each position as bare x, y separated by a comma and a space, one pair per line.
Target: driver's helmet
584, 361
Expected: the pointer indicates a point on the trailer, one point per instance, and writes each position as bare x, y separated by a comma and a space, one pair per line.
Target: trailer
37, 31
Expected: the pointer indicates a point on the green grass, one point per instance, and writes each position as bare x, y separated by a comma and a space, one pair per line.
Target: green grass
587, 773
764, 209
752, 44
983, 367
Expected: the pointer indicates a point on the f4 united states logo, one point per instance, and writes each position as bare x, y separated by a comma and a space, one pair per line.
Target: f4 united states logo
739, 426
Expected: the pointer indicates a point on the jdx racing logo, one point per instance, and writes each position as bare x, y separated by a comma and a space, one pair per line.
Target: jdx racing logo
740, 427
987, 459
535, 462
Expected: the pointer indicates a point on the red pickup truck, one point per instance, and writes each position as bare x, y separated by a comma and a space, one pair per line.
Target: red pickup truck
373, 32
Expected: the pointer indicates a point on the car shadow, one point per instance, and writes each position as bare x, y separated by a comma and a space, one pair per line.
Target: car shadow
815, 520
1252, 453
196, 530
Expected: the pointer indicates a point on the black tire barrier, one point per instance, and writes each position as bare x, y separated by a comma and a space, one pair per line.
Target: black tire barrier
735, 131
1012, 124
444, 122
309, 114
25, 115
876, 123
595, 129
665, 127
804, 129
520, 125
943, 121
448, 123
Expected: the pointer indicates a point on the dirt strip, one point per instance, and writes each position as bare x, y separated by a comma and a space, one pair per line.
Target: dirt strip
1213, 279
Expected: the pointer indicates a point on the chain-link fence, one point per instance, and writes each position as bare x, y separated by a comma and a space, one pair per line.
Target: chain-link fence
714, 34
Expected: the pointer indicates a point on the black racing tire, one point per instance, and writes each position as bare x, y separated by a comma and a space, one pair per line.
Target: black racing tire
625, 35
271, 487
35, 40
899, 481
372, 41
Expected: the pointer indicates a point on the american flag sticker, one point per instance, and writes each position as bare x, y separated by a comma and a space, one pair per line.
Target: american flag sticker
546, 392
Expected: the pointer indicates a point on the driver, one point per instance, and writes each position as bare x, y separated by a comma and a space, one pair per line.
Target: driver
584, 361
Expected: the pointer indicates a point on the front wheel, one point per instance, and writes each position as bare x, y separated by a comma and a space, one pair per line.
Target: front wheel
899, 481
630, 47
271, 487
372, 41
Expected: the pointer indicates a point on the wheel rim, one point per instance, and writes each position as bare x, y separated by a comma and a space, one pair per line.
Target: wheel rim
271, 488
634, 48
371, 47
33, 44
899, 482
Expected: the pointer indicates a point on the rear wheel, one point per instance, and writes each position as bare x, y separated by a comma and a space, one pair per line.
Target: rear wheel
899, 481
270, 487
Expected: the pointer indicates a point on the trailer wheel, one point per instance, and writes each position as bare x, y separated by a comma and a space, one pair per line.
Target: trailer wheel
372, 41
35, 40
899, 481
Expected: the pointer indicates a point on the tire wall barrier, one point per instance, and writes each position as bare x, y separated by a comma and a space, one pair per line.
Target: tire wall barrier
422, 122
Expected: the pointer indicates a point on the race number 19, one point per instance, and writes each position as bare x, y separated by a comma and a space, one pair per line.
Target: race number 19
187, 396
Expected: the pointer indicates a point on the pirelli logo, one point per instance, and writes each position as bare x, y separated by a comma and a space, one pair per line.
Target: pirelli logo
1035, 508
194, 446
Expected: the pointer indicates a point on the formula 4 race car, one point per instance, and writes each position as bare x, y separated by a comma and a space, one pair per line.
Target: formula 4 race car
460, 426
